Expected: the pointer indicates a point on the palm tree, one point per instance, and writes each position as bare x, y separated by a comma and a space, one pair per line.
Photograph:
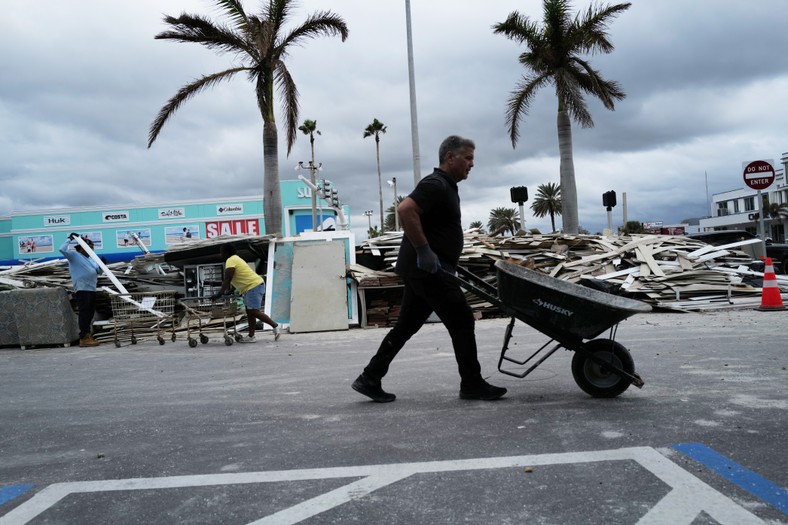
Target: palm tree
259, 45
391, 220
477, 224
373, 232
553, 57
374, 130
309, 127
502, 220
547, 201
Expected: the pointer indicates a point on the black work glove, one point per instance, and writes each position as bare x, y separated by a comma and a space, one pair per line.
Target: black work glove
426, 259
72, 236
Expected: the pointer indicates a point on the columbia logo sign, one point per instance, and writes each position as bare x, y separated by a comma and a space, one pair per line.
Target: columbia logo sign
230, 209
116, 216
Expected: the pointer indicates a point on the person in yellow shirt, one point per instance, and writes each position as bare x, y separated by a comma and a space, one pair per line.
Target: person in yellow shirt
250, 285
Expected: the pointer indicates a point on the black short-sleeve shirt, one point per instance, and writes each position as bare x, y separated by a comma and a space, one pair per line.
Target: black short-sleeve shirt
438, 197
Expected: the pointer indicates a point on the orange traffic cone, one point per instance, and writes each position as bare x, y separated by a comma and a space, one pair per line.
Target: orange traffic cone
770, 299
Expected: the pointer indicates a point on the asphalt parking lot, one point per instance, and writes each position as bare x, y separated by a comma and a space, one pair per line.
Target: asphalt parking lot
271, 432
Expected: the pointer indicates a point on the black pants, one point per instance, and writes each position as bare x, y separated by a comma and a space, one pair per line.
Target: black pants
86, 304
433, 293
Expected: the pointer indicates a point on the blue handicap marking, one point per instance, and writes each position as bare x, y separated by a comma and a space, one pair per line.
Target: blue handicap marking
12, 491
748, 480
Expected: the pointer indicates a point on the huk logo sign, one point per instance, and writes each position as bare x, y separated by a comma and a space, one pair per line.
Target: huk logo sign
229, 209
115, 216
57, 220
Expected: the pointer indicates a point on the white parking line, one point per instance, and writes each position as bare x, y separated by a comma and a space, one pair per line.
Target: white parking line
689, 496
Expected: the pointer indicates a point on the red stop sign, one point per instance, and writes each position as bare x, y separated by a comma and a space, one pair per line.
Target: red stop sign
758, 174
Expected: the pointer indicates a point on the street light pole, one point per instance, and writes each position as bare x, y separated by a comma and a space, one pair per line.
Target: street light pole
312, 169
414, 118
369, 213
393, 183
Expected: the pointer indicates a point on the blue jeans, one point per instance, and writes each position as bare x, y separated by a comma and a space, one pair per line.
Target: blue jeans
253, 299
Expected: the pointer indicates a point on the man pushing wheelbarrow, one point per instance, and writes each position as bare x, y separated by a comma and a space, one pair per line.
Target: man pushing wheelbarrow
431, 220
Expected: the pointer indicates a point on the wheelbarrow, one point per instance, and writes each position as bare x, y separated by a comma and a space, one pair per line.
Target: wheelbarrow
571, 315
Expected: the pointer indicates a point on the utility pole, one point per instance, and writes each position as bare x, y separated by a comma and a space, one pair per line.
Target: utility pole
312, 178
369, 213
393, 183
414, 119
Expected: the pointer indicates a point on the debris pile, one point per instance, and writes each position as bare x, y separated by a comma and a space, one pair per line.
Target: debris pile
668, 272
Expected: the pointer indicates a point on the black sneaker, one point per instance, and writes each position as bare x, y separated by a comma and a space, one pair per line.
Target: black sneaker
484, 391
372, 389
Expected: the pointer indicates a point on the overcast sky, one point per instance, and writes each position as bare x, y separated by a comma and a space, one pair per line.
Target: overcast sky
81, 81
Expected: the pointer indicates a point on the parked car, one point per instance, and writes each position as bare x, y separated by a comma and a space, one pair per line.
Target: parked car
777, 252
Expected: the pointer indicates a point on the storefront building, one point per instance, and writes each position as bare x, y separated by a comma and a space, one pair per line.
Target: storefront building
117, 231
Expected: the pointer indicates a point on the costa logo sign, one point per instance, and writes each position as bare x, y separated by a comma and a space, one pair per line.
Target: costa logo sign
115, 216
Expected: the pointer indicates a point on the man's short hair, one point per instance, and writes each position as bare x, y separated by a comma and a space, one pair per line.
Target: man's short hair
455, 144
228, 249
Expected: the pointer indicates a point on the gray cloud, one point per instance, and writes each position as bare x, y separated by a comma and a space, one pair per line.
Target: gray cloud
705, 80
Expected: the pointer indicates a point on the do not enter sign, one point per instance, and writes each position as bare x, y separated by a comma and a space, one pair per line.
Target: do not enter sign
758, 174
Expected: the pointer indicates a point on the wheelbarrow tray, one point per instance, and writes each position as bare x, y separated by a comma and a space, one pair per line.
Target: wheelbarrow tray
561, 308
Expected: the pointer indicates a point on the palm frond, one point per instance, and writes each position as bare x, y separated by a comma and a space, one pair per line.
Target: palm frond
322, 23
184, 94
520, 102
289, 92
234, 11
200, 30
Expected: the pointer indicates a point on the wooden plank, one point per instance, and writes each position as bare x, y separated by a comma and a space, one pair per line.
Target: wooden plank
645, 255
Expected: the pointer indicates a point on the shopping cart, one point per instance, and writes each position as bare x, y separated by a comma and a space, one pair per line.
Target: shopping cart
142, 314
206, 313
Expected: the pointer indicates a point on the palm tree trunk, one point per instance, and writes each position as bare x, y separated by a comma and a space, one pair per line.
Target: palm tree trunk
272, 195
380, 184
568, 187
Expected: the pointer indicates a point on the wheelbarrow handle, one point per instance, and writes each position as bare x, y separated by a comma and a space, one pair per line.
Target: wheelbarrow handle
477, 286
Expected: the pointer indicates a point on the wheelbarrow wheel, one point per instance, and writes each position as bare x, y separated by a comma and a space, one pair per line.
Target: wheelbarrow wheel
592, 378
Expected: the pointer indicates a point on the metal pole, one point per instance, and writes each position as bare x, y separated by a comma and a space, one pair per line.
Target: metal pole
522, 215
314, 197
414, 119
624, 208
396, 217
369, 213
760, 221
610, 219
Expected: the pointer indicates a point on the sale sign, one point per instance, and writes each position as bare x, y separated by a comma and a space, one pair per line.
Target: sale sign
246, 226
